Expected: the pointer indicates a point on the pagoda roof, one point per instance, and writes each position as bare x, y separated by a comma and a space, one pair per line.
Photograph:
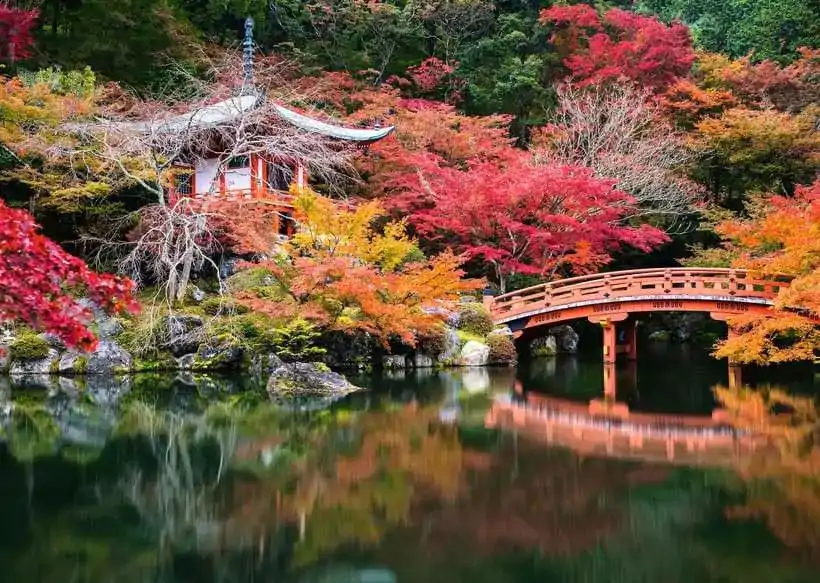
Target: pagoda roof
229, 109
331, 130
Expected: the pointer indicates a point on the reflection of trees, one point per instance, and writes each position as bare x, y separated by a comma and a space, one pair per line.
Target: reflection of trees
359, 479
783, 479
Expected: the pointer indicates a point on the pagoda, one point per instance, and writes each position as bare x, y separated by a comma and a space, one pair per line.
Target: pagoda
206, 171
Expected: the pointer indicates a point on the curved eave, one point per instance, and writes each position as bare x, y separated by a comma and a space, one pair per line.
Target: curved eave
207, 116
330, 130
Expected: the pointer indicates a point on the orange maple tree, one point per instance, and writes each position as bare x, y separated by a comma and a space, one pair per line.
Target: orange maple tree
780, 237
343, 273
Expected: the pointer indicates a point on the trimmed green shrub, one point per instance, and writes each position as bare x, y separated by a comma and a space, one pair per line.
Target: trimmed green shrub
475, 319
296, 341
28, 346
502, 349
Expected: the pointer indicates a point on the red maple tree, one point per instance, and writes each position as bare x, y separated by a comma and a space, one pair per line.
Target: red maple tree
16, 35
39, 283
621, 44
519, 218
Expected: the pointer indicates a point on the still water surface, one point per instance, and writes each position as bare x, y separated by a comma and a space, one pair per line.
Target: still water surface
402, 483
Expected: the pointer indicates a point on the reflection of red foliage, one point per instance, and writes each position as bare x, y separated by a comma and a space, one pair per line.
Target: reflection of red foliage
621, 44
37, 278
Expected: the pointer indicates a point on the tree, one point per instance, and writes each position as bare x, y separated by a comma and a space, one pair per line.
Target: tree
16, 35
518, 218
768, 29
765, 150
780, 237
344, 274
619, 133
39, 281
620, 44
142, 144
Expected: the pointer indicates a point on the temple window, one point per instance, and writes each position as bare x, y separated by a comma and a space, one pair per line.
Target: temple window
184, 184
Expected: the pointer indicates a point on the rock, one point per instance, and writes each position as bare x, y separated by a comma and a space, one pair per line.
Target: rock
54, 341
184, 333
475, 354
264, 364
5, 356
108, 358
308, 379
109, 328
347, 350
544, 346
566, 338
222, 353
186, 361
39, 366
197, 295
394, 361
452, 347
68, 362
503, 330
476, 380
421, 360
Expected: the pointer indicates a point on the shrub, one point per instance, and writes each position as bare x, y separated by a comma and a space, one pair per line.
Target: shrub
475, 319
502, 349
433, 341
28, 346
296, 341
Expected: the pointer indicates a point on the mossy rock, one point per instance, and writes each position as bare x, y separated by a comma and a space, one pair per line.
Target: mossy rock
28, 346
222, 353
216, 305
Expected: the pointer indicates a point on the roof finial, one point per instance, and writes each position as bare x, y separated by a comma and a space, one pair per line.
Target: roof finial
247, 55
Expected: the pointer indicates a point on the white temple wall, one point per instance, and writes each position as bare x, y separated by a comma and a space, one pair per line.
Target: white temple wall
206, 176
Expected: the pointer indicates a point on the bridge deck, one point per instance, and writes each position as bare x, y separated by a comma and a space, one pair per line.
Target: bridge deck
712, 289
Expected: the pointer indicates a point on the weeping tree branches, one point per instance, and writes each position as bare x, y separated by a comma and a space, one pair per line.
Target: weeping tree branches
617, 131
200, 123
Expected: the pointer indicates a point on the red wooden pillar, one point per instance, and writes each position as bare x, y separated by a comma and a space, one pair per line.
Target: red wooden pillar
610, 384
631, 337
610, 341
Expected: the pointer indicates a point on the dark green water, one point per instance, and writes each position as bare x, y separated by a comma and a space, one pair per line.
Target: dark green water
173, 483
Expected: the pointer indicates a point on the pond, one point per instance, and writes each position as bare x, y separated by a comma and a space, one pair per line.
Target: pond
402, 483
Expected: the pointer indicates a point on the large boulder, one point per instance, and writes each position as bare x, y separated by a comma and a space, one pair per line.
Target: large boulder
544, 346
451, 347
308, 379
184, 333
221, 353
422, 360
394, 361
264, 364
108, 358
566, 338
475, 353
36, 366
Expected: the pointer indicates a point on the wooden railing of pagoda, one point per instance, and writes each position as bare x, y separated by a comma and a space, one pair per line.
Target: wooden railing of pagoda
709, 289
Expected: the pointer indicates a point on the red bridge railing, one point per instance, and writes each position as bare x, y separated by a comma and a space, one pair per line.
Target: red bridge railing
638, 283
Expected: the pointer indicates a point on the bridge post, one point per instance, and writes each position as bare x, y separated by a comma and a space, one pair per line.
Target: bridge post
610, 341
631, 337
610, 382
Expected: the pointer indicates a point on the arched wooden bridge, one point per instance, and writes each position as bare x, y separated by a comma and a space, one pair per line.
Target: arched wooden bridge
608, 298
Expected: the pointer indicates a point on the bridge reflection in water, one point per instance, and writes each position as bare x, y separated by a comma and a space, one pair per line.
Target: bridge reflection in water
608, 429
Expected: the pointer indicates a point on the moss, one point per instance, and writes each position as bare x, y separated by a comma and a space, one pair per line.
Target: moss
28, 346
54, 367
161, 361
81, 364
216, 305
465, 337
475, 319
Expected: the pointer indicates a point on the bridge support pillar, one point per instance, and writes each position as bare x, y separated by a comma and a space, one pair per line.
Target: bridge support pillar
610, 382
610, 342
631, 338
